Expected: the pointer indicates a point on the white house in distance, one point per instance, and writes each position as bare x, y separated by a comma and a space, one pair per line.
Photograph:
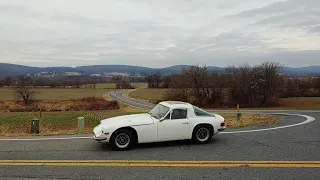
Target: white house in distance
111, 74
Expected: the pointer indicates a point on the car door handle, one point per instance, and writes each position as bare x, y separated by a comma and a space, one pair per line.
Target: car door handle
185, 123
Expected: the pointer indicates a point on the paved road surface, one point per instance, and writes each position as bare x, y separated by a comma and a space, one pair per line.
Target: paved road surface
119, 96
299, 145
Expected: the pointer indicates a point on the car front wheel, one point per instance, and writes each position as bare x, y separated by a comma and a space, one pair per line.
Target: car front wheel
202, 134
122, 139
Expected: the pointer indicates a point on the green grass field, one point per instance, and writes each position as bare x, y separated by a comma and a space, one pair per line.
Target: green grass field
298, 103
151, 95
56, 93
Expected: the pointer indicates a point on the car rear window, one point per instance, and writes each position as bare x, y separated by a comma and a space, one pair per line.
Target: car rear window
200, 112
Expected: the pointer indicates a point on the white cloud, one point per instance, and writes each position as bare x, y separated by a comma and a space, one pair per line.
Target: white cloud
156, 33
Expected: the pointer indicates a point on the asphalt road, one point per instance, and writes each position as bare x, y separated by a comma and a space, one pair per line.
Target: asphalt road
299, 145
119, 96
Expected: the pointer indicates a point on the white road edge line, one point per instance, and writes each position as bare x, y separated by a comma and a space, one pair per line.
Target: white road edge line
308, 120
42, 139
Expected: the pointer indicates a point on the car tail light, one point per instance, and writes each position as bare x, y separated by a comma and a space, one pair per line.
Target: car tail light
222, 124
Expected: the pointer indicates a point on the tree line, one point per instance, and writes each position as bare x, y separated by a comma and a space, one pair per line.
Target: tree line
250, 86
65, 82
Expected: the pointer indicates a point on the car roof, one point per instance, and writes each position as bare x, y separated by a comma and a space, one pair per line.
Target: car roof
176, 104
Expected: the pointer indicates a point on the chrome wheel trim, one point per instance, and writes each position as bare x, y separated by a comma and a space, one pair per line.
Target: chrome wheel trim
122, 140
203, 134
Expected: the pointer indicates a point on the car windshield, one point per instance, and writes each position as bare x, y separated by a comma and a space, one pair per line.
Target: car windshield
159, 111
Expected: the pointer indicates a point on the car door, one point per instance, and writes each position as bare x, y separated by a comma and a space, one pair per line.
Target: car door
175, 126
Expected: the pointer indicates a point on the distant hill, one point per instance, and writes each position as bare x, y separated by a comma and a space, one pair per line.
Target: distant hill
113, 68
303, 70
13, 69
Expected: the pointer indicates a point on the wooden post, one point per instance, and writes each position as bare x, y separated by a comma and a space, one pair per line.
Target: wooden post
238, 113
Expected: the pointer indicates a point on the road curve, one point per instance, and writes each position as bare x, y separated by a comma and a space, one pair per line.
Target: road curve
119, 96
286, 153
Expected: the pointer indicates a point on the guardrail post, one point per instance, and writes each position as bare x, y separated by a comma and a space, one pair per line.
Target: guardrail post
35, 126
80, 123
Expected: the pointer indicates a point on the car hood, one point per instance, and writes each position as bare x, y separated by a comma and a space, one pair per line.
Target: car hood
129, 120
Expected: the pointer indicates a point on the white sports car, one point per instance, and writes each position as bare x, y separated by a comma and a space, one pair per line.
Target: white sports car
167, 121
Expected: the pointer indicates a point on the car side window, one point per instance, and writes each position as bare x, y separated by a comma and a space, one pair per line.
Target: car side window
179, 114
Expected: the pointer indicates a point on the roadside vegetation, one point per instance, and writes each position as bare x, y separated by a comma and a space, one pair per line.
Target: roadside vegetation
65, 123
54, 123
155, 95
249, 120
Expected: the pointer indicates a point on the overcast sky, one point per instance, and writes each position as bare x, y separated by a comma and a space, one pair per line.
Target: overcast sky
159, 33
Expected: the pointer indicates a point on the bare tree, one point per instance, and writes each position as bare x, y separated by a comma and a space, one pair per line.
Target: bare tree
269, 89
197, 85
1, 82
123, 84
23, 90
154, 80
8, 81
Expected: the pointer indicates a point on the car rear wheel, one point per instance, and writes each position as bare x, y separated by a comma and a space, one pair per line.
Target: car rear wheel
202, 134
122, 139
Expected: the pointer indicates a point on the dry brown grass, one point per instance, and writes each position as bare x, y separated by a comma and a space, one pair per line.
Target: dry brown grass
56, 93
249, 120
301, 102
82, 104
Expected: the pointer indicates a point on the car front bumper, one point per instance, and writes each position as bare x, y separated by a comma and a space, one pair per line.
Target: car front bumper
100, 139
98, 134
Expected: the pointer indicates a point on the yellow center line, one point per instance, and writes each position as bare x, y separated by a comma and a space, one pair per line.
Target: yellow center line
161, 163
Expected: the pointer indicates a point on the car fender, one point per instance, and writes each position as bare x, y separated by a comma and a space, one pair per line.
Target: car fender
145, 132
213, 121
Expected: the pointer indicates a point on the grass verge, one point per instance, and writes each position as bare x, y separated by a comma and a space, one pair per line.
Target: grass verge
65, 123
54, 123
249, 120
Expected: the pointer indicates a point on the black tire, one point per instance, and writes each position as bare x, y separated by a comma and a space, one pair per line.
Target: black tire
202, 134
118, 140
